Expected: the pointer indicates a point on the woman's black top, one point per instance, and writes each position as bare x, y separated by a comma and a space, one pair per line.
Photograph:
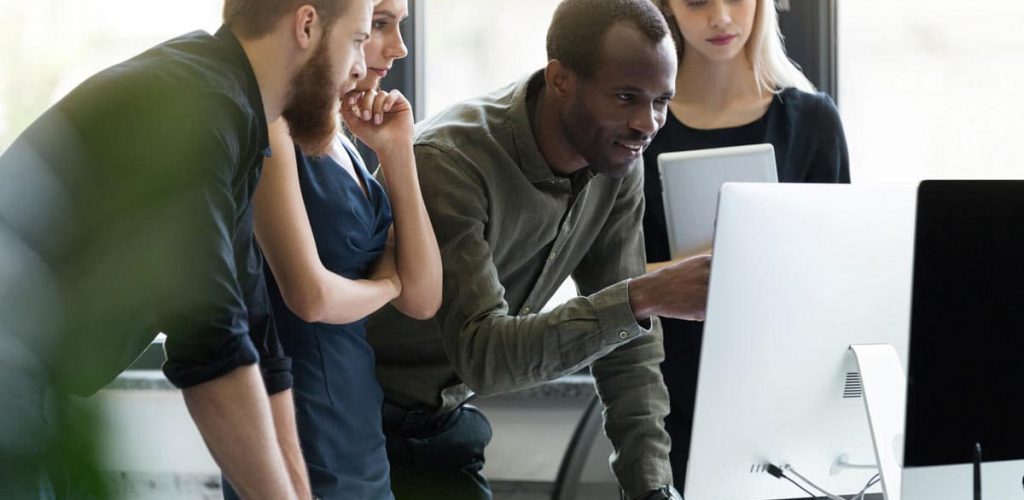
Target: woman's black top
803, 127
809, 146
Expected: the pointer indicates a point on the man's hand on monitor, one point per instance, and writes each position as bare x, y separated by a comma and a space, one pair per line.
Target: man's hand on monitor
677, 291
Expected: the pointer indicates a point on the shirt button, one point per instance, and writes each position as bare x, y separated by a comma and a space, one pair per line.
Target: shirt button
526, 310
623, 335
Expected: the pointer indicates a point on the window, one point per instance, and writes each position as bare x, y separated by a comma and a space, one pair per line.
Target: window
931, 88
50, 46
473, 46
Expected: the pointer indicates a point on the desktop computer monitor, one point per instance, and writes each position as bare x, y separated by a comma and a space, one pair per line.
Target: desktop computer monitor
966, 363
800, 272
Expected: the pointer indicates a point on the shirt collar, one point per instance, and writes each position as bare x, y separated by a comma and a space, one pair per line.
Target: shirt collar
531, 161
251, 84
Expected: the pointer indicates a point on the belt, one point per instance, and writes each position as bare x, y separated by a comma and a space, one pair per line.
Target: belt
414, 423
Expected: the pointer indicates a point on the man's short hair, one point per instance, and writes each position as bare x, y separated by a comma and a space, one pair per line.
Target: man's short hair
578, 28
251, 19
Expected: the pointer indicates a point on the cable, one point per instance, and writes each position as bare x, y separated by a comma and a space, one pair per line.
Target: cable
780, 473
871, 482
809, 494
775, 471
808, 481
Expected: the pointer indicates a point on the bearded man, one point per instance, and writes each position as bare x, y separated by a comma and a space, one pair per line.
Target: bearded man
125, 212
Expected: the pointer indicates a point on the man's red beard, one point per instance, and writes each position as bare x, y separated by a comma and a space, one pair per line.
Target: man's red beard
311, 110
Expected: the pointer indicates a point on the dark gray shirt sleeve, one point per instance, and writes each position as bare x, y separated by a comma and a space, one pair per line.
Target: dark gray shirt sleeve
210, 337
208, 333
628, 378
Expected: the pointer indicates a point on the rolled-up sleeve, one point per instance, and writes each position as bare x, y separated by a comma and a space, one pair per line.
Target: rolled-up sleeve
275, 366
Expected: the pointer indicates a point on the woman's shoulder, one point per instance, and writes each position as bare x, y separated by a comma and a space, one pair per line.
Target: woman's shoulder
811, 106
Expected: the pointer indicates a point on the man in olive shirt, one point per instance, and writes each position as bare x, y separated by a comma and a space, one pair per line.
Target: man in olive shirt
525, 187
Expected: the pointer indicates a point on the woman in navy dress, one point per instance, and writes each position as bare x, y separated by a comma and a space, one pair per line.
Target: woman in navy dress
735, 86
340, 245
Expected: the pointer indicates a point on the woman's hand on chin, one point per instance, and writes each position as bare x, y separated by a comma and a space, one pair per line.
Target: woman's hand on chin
380, 119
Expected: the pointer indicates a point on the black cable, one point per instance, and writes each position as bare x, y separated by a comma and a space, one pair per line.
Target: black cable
778, 473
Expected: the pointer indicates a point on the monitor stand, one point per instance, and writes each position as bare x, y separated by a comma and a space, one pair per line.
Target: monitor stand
885, 398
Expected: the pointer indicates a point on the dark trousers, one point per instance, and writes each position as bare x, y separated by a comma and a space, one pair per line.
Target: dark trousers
437, 456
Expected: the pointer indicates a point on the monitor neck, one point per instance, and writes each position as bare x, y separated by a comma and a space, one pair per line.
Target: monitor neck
977, 471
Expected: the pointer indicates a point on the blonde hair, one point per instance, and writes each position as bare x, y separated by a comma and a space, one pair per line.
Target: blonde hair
773, 70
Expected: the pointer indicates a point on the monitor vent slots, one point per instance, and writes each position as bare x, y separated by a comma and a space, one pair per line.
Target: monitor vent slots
853, 389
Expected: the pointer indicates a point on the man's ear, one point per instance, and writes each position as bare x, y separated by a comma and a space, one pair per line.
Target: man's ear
306, 26
559, 79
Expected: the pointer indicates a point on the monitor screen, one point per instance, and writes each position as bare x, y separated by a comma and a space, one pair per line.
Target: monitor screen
966, 361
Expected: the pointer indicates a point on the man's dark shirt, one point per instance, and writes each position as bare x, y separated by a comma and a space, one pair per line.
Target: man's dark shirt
134, 194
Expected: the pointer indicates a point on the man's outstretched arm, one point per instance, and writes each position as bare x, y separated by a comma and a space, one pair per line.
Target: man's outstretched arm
491, 348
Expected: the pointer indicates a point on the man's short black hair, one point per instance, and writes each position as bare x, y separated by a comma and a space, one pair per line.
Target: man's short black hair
578, 28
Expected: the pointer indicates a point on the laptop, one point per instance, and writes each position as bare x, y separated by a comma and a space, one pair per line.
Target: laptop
690, 181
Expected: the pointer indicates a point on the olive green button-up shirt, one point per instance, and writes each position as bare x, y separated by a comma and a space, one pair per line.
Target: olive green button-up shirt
510, 232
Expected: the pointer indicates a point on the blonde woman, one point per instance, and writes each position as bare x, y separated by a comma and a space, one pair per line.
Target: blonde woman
735, 86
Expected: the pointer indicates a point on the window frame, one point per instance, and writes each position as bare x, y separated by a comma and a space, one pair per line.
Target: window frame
810, 31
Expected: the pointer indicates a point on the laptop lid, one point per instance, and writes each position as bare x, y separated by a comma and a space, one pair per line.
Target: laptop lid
690, 181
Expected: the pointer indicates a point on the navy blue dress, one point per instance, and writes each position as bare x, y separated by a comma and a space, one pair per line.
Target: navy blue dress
337, 396
810, 146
